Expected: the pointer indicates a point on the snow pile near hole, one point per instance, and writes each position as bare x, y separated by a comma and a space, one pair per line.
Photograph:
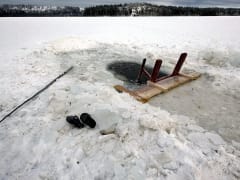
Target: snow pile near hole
147, 141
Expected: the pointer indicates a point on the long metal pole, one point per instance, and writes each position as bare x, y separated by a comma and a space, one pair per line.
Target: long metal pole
36, 94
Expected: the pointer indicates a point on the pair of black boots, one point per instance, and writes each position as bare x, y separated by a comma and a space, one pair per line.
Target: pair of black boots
85, 119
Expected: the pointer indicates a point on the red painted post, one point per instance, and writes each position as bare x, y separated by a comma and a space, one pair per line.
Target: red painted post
179, 64
156, 70
141, 70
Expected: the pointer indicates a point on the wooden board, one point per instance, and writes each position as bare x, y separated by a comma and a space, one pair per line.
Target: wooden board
192, 75
148, 91
145, 93
171, 82
120, 88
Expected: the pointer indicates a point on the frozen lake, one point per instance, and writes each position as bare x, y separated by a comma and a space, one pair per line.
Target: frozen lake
211, 42
199, 120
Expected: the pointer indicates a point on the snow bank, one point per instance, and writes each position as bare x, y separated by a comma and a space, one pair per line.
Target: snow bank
150, 141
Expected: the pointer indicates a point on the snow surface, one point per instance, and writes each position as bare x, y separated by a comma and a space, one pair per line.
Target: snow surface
189, 133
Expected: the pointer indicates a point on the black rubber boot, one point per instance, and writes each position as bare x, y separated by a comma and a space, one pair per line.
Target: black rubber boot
88, 120
74, 120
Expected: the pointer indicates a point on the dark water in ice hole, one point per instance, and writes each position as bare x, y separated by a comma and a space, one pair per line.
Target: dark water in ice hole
128, 72
213, 110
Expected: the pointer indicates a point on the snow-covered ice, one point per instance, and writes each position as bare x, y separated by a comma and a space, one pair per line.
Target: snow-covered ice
191, 132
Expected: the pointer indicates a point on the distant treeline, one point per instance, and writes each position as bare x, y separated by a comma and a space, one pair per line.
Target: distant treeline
155, 10
136, 9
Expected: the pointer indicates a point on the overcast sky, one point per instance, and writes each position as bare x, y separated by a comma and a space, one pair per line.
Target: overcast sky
85, 3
